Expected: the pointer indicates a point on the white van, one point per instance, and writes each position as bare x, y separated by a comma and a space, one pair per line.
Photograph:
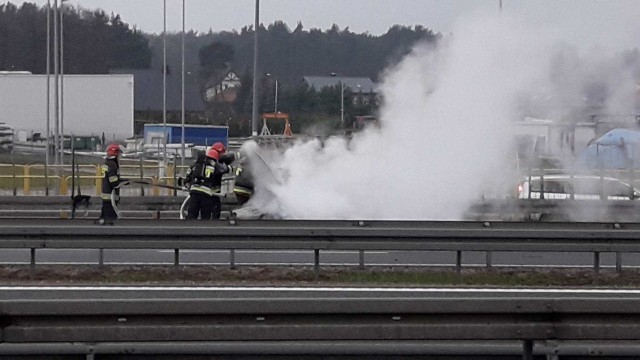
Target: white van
576, 187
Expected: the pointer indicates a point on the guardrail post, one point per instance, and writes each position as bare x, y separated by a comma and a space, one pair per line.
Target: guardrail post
527, 350
618, 262
232, 258
316, 260
459, 262
100, 257
176, 257
488, 261
596, 266
361, 253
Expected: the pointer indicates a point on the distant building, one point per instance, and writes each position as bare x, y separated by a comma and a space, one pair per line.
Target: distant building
100, 105
148, 95
363, 90
224, 89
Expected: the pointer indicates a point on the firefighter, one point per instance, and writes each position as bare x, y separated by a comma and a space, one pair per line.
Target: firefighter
243, 181
223, 166
111, 182
243, 184
201, 179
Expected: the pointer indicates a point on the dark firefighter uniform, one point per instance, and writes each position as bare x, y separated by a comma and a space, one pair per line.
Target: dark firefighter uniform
243, 183
202, 179
220, 170
111, 182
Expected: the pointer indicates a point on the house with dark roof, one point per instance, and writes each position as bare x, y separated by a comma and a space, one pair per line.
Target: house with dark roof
225, 89
362, 89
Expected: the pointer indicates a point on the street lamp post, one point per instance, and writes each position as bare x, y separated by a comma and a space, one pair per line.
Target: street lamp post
56, 103
164, 81
341, 99
275, 107
342, 103
48, 117
276, 99
254, 112
62, 81
182, 97
48, 124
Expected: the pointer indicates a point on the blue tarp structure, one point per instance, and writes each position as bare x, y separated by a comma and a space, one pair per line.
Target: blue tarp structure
617, 149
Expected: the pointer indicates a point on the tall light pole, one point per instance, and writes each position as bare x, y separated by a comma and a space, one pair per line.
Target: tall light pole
342, 103
48, 125
62, 81
182, 98
254, 113
56, 104
164, 80
341, 99
275, 107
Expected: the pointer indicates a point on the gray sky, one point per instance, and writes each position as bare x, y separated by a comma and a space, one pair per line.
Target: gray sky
373, 16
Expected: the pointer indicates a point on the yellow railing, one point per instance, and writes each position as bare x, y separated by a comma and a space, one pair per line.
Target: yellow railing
59, 179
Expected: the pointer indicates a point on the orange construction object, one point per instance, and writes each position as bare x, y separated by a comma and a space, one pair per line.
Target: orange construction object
276, 116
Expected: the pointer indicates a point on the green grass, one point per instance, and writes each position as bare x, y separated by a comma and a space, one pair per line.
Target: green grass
306, 276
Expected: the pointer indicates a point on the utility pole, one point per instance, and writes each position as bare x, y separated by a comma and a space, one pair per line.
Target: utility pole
341, 99
182, 115
164, 81
48, 124
342, 104
56, 105
254, 114
62, 82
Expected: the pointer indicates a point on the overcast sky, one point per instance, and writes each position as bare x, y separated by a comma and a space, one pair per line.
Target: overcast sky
373, 16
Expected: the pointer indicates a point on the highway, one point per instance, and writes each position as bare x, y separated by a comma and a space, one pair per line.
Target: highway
318, 323
183, 322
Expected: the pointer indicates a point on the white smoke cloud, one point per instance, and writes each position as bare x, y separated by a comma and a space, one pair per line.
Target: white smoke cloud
446, 135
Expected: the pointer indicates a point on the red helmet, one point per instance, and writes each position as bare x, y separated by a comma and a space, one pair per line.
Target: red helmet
213, 154
219, 147
113, 150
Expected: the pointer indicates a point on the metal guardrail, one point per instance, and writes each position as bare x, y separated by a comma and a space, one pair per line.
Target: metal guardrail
187, 322
362, 236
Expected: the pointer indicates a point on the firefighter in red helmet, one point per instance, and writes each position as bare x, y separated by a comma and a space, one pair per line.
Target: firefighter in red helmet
219, 147
201, 181
111, 182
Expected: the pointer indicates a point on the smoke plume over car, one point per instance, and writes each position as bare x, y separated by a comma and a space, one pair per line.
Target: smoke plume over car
446, 125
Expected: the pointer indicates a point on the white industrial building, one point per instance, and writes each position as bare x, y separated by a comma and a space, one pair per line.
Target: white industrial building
91, 105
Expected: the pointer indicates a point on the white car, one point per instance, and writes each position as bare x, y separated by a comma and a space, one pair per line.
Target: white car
576, 187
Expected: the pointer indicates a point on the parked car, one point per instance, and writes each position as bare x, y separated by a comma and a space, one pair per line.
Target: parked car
576, 187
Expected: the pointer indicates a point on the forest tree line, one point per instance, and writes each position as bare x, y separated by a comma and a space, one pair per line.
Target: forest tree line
95, 42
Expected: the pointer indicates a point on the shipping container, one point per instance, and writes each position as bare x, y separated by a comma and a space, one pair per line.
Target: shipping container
199, 135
